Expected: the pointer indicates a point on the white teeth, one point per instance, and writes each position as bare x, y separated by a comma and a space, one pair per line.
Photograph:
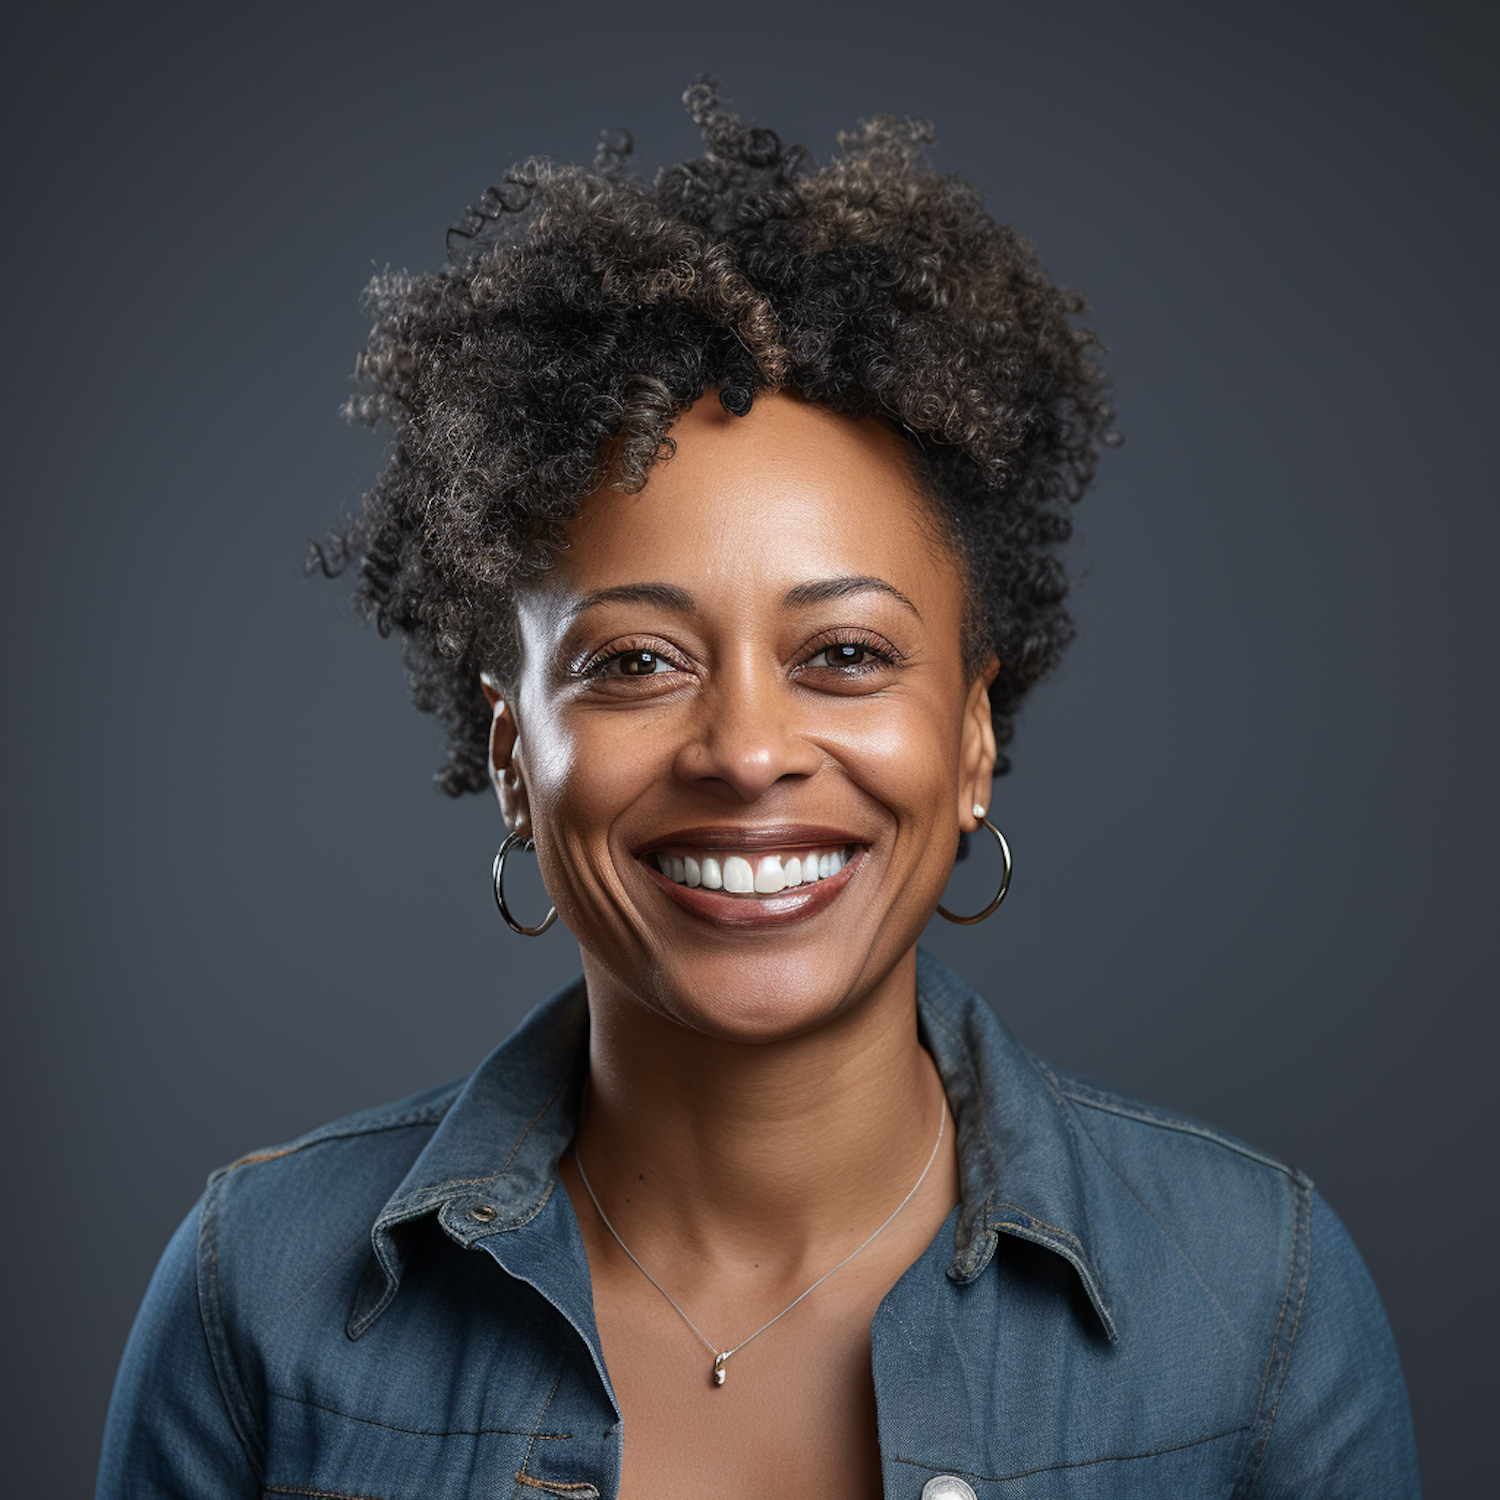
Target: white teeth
745, 875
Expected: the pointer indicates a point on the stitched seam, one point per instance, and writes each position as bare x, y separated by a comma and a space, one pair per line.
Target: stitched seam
419, 1431
1042, 1223
1080, 1267
1286, 1297
442, 1189
558, 1486
416, 1209
362, 1238
1265, 1375
1170, 1237
1291, 1338
521, 1477
1053, 1082
220, 1357
1062, 1108
957, 1037
1093, 1283
430, 1115
1093, 1279
1108, 1104
1286, 1359
552, 1099
281, 1489
541, 1203
933, 1016
1301, 1252
1084, 1463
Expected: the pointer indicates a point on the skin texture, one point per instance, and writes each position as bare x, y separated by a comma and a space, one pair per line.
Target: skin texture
758, 1099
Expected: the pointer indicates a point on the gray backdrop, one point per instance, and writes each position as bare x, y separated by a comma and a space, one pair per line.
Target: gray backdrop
1252, 816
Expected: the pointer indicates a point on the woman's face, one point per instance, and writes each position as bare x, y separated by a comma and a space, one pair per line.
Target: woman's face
742, 733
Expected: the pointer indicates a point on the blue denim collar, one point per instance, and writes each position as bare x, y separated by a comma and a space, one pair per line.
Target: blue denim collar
491, 1165
1018, 1146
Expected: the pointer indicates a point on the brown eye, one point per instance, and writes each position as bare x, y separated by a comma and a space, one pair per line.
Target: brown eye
848, 656
634, 662
639, 663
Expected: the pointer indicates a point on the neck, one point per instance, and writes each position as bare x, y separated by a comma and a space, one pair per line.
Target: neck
768, 1149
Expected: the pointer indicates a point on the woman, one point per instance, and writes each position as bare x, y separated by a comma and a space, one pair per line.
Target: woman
721, 527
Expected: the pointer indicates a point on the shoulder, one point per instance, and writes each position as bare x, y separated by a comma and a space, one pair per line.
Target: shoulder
286, 1213
380, 1140
1192, 1171
1240, 1252
1176, 1203
347, 1167
277, 1240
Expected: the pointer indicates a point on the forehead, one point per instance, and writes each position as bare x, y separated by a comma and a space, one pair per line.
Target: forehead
753, 505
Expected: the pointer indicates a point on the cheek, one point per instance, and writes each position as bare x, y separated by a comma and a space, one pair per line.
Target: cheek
905, 752
571, 783
582, 771
550, 760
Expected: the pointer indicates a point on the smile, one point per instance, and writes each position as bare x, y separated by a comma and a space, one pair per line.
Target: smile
749, 873
734, 876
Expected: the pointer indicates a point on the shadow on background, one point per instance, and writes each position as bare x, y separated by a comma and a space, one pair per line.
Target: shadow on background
1252, 816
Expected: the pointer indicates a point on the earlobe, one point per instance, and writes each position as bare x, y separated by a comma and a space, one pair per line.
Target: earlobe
507, 775
979, 751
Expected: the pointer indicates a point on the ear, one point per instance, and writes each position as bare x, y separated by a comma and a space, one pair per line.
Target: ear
977, 751
507, 774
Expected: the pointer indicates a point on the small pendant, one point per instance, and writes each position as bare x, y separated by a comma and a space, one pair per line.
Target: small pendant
719, 1368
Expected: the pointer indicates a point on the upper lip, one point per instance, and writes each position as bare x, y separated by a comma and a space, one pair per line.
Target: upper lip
761, 836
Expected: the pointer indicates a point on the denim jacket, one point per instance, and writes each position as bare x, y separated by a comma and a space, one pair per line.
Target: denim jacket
1125, 1303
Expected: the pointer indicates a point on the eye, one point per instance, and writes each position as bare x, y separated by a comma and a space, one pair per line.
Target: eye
848, 656
638, 663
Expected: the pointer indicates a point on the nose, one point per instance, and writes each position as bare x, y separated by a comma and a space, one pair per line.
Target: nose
749, 731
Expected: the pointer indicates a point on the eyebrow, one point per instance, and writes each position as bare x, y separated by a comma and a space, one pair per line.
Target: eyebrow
825, 590
803, 596
662, 595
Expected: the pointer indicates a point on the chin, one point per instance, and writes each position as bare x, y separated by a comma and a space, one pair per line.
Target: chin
761, 1000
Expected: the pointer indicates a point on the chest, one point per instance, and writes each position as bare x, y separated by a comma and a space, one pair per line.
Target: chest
796, 1408
483, 1380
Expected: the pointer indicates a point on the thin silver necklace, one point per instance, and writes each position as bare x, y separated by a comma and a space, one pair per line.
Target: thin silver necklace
721, 1358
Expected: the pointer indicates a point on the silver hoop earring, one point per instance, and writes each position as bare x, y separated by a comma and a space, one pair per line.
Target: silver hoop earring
999, 895
498, 875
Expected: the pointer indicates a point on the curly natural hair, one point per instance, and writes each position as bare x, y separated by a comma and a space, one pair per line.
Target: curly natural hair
581, 310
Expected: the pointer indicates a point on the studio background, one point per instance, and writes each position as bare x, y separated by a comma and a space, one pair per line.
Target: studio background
1252, 816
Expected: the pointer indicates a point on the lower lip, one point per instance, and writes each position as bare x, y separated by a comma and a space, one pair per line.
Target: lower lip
745, 912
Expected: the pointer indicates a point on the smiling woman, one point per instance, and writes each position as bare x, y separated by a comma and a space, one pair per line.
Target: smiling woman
785, 686
721, 528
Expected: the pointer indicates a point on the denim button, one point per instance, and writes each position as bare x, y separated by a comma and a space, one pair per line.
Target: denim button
948, 1487
484, 1212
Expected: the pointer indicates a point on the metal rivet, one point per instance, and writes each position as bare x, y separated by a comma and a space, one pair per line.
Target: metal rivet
484, 1212
948, 1487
